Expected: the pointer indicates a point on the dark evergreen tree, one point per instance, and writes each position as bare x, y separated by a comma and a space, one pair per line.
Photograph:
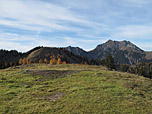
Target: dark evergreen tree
110, 63
103, 62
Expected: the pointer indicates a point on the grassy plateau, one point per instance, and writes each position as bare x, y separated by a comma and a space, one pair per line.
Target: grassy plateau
73, 89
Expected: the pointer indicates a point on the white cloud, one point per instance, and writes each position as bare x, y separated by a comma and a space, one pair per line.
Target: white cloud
146, 46
11, 41
86, 44
13, 46
138, 2
133, 32
91, 22
36, 15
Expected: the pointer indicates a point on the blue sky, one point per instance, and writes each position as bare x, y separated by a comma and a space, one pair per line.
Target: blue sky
25, 24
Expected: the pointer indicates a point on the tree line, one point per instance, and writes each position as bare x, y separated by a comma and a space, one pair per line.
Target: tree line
6, 64
48, 59
52, 60
142, 69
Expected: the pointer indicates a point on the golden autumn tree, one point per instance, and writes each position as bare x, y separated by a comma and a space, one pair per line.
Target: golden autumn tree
59, 56
20, 61
40, 61
51, 58
54, 61
59, 61
24, 61
64, 62
46, 61
51, 62
28, 61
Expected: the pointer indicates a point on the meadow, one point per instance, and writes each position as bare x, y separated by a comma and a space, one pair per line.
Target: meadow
72, 89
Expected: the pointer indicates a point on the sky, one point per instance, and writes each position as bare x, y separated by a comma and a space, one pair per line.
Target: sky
25, 24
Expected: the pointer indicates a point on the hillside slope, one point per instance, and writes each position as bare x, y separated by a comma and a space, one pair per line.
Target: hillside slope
9, 58
79, 51
46, 52
70, 89
124, 52
13, 56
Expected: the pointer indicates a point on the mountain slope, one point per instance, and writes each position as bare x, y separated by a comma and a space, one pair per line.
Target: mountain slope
79, 51
124, 52
148, 55
113, 47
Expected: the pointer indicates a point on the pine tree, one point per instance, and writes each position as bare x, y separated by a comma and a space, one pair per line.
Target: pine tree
7, 64
10, 64
85, 63
110, 62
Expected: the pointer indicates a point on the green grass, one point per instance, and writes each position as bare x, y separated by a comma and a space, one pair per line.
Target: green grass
89, 90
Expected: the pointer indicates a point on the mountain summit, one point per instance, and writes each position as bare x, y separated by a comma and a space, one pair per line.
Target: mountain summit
116, 45
124, 52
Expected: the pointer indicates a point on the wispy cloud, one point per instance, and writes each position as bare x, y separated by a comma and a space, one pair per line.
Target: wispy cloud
133, 32
28, 23
83, 43
39, 16
24, 43
138, 2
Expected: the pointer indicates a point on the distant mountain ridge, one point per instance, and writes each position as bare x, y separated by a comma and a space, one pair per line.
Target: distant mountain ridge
37, 54
124, 52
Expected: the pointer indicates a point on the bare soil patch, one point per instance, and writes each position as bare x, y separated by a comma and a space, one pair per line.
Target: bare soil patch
50, 74
50, 97
54, 97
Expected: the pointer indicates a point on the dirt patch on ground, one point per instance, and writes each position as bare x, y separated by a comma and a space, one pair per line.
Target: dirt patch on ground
50, 74
50, 97
54, 97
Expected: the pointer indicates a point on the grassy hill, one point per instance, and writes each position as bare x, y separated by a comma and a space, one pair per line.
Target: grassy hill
73, 89
46, 52
10, 58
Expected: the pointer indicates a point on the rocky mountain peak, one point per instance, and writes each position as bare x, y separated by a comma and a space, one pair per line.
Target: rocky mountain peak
124, 52
117, 45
